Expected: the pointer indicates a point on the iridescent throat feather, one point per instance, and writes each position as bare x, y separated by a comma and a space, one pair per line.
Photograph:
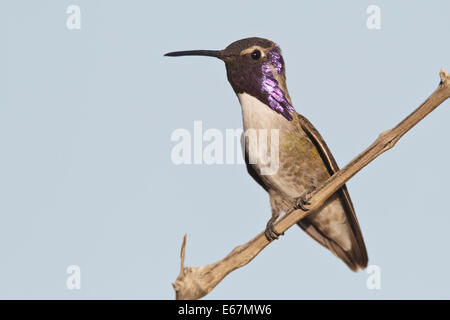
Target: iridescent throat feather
270, 87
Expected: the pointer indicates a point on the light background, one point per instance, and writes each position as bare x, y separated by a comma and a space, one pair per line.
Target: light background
85, 124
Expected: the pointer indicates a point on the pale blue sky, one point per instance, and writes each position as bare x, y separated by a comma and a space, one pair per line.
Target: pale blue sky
85, 123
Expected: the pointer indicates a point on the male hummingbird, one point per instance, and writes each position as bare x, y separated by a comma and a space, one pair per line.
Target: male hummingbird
256, 72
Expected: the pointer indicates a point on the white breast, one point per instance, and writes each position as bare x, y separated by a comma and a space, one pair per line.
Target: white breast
263, 128
258, 115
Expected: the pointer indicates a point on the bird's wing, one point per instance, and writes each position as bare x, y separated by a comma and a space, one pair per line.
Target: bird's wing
358, 256
251, 171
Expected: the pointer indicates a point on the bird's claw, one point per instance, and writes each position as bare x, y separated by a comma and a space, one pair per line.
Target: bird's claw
301, 202
271, 233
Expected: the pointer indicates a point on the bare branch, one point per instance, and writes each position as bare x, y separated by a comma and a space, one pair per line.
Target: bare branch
196, 282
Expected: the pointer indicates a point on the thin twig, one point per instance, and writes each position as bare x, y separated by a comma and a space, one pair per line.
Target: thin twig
182, 254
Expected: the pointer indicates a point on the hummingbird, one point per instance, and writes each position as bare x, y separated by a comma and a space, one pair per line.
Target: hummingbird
256, 71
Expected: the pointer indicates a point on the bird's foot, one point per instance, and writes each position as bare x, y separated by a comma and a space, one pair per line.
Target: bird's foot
301, 202
271, 233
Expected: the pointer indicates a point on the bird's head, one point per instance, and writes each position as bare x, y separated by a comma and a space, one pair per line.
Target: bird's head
254, 66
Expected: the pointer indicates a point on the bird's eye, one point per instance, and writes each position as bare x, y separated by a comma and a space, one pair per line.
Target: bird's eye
256, 54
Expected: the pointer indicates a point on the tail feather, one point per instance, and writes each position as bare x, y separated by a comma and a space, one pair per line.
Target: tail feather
355, 257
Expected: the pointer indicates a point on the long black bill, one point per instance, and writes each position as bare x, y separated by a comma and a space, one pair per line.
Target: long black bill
208, 53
